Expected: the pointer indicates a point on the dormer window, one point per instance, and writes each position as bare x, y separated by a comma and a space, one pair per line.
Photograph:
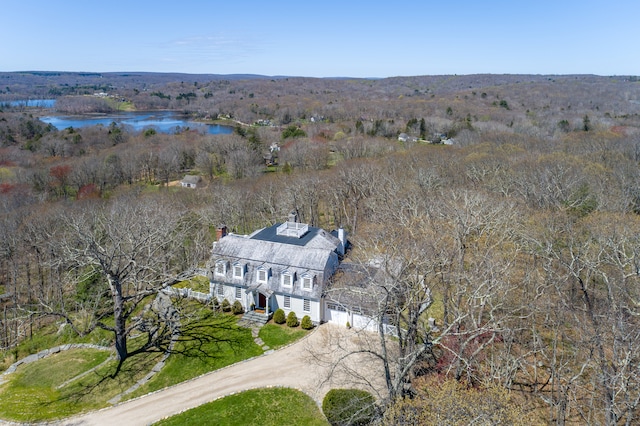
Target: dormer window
221, 268
238, 271
307, 282
287, 279
262, 275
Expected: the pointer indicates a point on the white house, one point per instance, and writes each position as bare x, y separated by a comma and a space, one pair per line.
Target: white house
285, 266
190, 181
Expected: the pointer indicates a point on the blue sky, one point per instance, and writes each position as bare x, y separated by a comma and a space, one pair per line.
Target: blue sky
323, 38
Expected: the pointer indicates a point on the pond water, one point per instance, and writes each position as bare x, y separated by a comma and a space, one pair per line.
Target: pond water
36, 103
160, 121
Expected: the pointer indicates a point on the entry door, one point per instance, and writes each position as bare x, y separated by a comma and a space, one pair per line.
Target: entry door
262, 301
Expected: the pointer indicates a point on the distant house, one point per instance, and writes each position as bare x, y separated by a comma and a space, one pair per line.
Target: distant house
403, 137
191, 181
285, 266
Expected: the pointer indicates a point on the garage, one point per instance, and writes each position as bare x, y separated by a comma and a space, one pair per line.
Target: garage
336, 314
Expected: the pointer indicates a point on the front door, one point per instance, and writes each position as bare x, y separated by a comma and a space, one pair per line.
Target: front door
262, 301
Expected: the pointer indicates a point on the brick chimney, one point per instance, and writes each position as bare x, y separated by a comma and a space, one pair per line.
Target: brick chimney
221, 231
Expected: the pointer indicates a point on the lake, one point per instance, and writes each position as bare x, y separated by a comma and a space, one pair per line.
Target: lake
32, 103
160, 121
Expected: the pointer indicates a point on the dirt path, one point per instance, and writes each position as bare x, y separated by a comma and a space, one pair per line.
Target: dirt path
297, 366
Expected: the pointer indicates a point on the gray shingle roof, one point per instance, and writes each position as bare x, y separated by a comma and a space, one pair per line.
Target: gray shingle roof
191, 179
313, 254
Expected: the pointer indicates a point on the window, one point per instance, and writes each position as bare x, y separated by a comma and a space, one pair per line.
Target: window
307, 283
336, 307
238, 271
238, 292
220, 290
262, 275
287, 302
287, 279
306, 305
221, 268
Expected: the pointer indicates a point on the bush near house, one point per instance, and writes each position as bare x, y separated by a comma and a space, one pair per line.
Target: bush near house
292, 319
237, 308
279, 317
344, 407
226, 306
306, 323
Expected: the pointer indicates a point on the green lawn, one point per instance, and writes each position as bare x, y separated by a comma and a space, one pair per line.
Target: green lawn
198, 283
47, 337
276, 336
34, 392
264, 407
31, 393
228, 344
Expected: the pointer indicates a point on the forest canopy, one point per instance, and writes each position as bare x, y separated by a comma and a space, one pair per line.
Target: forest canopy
520, 193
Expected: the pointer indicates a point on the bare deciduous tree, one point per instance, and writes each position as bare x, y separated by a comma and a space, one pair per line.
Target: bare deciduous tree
126, 252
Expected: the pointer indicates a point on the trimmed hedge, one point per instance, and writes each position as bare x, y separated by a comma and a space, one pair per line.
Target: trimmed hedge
226, 306
279, 317
306, 323
292, 319
344, 407
237, 308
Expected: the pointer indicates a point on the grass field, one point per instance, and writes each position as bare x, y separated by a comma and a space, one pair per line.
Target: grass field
230, 344
276, 336
43, 391
264, 407
32, 393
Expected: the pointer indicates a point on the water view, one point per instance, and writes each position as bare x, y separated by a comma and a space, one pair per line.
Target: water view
160, 121
31, 103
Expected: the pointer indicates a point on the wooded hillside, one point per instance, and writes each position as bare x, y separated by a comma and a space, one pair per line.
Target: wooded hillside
525, 226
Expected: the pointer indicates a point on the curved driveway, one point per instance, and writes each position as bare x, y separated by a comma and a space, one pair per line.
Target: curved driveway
305, 365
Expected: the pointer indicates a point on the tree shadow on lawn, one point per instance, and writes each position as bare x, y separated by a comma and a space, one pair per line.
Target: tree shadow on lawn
208, 340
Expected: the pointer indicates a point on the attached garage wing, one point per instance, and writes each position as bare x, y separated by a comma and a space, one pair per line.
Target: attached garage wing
336, 314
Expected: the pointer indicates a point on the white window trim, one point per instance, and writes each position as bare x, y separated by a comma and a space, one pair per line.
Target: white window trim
284, 303
235, 266
306, 305
287, 274
220, 290
336, 307
266, 275
238, 293
308, 279
223, 265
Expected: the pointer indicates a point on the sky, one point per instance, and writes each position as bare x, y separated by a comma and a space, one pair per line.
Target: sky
347, 38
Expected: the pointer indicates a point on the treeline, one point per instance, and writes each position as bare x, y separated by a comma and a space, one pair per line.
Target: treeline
526, 232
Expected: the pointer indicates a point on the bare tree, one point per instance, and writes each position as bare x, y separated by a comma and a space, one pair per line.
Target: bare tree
126, 252
454, 254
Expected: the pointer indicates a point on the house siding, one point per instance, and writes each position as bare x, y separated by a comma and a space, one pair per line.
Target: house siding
297, 306
314, 254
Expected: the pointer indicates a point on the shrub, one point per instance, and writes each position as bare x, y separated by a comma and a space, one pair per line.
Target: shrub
215, 303
237, 308
349, 407
292, 319
306, 323
226, 306
278, 317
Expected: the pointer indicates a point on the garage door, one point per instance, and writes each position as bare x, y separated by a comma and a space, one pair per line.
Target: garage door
335, 314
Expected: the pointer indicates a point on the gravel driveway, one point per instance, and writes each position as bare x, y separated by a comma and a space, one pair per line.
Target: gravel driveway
305, 365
